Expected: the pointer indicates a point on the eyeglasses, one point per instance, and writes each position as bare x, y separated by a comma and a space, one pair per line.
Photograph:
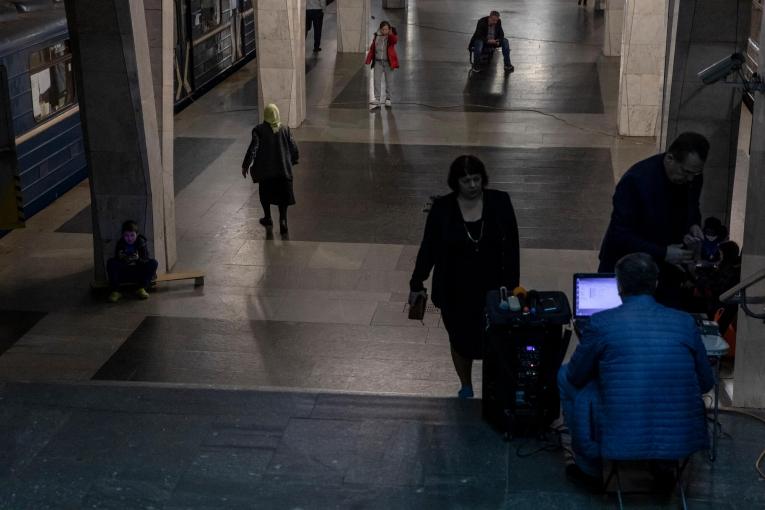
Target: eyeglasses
690, 172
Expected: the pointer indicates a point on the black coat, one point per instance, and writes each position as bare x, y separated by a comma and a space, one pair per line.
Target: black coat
445, 224
649, 213
482, 31
271, 154
138, 253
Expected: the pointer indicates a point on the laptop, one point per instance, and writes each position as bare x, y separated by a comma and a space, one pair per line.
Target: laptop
593, 293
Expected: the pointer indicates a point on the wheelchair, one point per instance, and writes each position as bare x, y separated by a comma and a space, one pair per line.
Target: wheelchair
486, 55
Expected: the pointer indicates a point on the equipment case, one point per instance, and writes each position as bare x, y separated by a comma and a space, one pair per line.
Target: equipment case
522, 355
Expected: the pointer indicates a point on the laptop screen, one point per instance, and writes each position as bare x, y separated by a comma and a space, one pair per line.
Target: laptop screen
594, 293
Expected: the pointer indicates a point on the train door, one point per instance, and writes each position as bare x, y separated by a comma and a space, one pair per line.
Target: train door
11, 210
247, 27
183, 55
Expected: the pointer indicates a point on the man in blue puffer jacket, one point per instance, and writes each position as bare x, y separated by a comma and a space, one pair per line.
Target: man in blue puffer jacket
633, 388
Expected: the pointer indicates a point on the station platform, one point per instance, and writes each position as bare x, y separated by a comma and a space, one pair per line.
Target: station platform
293, 378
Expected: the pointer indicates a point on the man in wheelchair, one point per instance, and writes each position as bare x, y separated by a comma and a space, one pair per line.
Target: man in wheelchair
488, 37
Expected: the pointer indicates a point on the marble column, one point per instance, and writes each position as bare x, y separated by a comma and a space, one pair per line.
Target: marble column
11, 210
119, 119
160, 28
699, 34
353, 34
394, 4
280, 31
641, 75
749, 371
614, 21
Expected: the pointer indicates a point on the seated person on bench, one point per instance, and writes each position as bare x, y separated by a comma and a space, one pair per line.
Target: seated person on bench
633, 388
131, 263
488, 32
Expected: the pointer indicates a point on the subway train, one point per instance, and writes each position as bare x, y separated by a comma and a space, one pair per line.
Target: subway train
213, 38
41, 140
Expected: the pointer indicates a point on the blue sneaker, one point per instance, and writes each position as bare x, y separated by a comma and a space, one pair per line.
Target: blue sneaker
465, 392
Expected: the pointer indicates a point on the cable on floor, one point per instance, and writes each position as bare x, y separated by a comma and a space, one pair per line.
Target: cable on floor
472, 105
734, 410
548, 445
515, 37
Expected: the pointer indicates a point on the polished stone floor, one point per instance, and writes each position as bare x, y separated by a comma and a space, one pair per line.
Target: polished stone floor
304, 339
125, 447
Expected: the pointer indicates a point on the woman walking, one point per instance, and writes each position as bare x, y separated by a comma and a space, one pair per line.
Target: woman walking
471, 243
272, 153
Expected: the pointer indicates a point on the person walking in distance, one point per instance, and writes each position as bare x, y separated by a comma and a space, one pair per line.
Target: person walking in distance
314, 16
269, 160
383, 58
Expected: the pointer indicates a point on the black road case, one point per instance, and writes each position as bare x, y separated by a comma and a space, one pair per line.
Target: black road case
523, 352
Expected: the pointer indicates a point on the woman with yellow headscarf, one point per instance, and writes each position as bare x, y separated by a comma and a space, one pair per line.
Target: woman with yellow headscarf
272, 153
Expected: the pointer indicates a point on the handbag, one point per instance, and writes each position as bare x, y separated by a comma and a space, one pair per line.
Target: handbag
417, 310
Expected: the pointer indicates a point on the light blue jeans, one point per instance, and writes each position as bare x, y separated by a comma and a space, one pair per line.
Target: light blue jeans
382, 68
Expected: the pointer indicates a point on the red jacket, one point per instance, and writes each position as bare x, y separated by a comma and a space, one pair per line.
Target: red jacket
392, 56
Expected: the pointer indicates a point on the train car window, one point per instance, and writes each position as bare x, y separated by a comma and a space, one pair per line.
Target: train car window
211, 14
52, 80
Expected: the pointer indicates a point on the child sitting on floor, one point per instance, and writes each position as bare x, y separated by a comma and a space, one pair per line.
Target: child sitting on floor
131, 263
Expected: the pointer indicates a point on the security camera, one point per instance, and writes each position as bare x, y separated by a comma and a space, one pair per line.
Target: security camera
721, 69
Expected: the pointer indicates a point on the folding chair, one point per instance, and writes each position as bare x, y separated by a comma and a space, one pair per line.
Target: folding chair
679, 470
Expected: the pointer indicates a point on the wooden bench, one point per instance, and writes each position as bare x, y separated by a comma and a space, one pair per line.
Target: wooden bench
197, 276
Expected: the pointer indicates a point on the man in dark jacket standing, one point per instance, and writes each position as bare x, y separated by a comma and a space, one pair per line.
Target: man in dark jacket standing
314, 15
656, 210
633, 388
488, 31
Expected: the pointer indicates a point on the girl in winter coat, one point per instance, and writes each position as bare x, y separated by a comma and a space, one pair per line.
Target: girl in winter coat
382, 55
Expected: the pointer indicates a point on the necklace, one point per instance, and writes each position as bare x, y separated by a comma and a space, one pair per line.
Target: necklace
470, 237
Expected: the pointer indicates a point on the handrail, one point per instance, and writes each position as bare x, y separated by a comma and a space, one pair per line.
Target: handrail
210, 34
24, 137
737, 295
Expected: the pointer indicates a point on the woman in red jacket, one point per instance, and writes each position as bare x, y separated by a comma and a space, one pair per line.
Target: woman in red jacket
382, 55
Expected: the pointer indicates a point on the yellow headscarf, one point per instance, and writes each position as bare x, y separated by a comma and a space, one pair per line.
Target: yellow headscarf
272, 117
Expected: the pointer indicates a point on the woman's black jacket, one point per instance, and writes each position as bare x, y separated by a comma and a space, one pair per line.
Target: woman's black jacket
445, 216
272, 155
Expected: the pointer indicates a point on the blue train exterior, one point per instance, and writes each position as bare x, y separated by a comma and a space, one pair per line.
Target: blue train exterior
213, 38
45, 122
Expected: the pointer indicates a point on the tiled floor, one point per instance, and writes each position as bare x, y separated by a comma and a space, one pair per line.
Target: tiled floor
323, 310
107, 446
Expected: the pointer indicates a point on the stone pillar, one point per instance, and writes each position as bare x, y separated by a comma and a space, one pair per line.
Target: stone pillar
280, 31
612, 38
749, 374
699, 34
119, 120
642, 66
160, 27
394, 4
353, 35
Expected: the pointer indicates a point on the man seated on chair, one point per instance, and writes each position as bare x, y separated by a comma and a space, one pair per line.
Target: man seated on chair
488, 32
633, 388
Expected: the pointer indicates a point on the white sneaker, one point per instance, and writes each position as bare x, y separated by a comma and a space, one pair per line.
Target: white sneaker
388, 103
374, 104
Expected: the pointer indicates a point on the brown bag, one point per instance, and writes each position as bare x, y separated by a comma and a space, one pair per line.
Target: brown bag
417, 310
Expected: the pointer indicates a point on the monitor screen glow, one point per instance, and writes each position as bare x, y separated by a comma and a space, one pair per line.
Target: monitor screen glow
594, 294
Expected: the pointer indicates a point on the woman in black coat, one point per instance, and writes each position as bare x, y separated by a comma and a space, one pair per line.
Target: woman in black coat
471, 243
272, 152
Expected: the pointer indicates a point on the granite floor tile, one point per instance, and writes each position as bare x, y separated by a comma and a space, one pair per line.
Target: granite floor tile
14, 324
